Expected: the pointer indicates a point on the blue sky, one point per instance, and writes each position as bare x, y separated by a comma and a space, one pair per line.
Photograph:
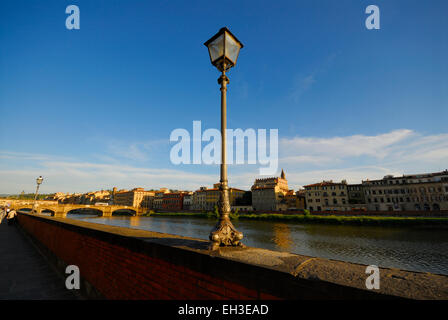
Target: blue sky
94, 108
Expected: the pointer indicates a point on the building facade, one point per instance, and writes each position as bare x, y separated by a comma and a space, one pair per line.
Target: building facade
269, 194
173, 201
327, 196
206, 199
199, 199
356, 197
136, 197
418, 192
157, 203
188, 201
301, 200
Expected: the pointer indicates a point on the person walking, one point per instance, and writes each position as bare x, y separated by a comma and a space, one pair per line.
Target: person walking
2, 214
11, 217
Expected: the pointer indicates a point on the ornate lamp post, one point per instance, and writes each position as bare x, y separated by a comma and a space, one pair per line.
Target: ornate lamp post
224, 48
38, 181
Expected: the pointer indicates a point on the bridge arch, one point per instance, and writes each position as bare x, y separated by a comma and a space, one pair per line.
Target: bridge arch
124, 212
86, 211
47, 211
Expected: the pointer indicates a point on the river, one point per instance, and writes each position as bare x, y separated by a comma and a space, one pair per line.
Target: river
411, 248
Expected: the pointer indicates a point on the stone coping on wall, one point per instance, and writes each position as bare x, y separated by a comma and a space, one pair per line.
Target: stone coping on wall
281, 274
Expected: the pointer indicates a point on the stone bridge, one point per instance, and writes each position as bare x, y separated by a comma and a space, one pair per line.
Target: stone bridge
61, 210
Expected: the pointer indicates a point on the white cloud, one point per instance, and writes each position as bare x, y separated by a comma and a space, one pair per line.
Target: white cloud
323, 149
359, 157
84, 176
305, 160
135, 151
301, 85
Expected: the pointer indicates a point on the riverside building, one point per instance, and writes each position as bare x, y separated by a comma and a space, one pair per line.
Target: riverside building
416, 192
327, 196
269, 194
136, 197
207, 198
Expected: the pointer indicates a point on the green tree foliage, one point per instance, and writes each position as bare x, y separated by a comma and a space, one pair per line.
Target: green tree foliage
27, 196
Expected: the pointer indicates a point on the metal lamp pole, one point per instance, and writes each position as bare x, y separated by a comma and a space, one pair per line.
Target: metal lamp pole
38, 181
224, 48
224, 233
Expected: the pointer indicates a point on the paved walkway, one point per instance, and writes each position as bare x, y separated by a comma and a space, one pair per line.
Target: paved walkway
24, 273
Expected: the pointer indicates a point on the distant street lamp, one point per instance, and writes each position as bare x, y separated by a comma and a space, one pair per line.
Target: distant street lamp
224, 48
38, 181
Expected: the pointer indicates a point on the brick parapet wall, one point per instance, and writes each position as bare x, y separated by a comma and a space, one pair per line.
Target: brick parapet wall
122, 263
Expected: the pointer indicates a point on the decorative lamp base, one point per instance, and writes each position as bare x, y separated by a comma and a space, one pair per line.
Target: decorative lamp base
225, 234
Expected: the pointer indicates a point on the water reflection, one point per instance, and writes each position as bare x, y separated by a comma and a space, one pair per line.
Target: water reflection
134, 221
282, 236
418, 249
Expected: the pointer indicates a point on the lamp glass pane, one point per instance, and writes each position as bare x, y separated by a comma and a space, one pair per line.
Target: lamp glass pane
232, 48
216, 48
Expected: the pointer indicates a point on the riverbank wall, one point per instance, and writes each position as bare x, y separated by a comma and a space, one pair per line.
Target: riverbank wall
439, 222
356, 213
123, 263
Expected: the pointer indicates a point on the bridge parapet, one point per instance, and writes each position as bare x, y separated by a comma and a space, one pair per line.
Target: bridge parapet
139, 264
18, 203
61, 210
